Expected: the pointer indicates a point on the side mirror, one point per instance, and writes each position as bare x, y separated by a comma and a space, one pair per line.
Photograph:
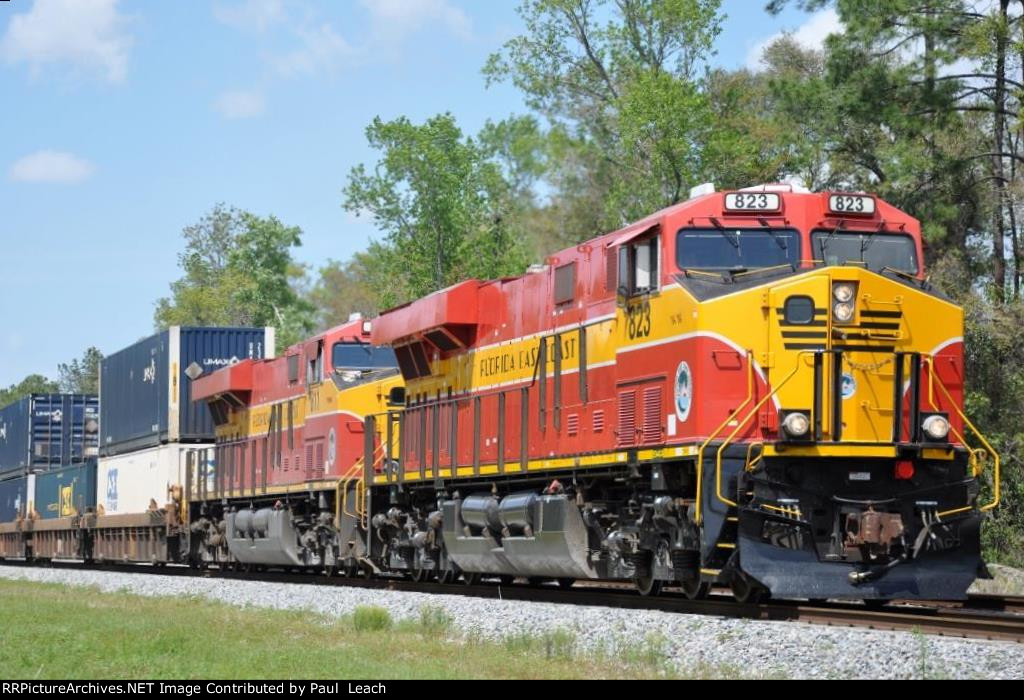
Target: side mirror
396, 397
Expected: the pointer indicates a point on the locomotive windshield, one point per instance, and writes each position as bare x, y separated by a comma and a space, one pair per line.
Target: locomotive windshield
737, 249
360, 356
875, 250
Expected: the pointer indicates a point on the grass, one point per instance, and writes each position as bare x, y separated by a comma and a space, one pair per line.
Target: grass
51, 631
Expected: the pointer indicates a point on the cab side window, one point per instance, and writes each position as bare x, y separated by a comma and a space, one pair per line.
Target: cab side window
638, 267
315, 366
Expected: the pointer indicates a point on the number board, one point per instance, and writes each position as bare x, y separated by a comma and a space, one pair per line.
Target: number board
752, 201
851, 204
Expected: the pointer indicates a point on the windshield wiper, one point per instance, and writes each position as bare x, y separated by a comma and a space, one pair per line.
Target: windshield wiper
823, 242
866, 242
779, 240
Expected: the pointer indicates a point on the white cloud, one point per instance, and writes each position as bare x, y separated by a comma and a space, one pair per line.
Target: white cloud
87, 35
321, 48
251, 15
811, 34
50, 166
399, 18
240, 104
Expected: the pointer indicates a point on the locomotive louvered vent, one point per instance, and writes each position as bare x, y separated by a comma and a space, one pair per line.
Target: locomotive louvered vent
572, 424
611, 270
309, 461
318, 467
652, 414
599, 421
627, 417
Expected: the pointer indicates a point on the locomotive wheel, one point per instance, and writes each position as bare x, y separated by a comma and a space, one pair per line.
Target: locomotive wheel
506, 579
644, 579
746, 591
419, 573
536, 580
470, 579
566, 582
695, 589
647, 585
447, 576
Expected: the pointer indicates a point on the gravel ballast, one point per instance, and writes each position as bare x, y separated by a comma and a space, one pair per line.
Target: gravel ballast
747, 647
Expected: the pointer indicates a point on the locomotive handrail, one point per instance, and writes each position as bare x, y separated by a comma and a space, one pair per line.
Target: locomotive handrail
751, 463
996, 463
742, 423
697, 518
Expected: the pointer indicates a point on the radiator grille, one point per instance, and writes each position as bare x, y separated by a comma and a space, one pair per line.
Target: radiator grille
627, 417
652, 414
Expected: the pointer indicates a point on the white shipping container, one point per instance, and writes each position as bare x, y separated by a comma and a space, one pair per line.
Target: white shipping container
127, 483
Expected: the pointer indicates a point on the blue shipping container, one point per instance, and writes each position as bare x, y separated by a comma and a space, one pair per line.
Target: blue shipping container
144, 389
65, 492
46, 431
12, 499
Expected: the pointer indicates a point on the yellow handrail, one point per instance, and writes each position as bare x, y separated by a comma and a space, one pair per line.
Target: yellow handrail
697, 519
996, 464
739, 427
355, 473
750, 464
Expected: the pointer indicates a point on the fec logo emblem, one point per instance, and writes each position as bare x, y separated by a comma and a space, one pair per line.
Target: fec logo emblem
849, 385
684, 391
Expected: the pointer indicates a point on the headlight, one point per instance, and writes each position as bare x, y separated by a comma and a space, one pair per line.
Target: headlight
843, 311
936, 427
843, 291
796, 424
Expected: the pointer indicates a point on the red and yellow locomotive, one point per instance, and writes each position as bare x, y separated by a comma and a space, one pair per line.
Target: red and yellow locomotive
755, 388
289, 450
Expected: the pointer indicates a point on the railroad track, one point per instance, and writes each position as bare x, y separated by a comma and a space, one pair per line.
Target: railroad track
989, 617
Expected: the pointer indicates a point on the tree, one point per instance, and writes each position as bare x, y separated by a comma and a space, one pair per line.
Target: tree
263, 276
932, 117
81, 376
441, 202
32, 384
344, 288
626, 84
239, 271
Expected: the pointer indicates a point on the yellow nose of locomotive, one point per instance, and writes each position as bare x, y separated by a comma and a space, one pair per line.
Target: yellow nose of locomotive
843, 347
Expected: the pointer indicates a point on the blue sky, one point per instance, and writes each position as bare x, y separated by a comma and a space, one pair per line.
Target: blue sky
124, 121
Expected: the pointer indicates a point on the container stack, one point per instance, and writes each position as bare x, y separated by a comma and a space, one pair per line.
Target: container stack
52, 438
147, 419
